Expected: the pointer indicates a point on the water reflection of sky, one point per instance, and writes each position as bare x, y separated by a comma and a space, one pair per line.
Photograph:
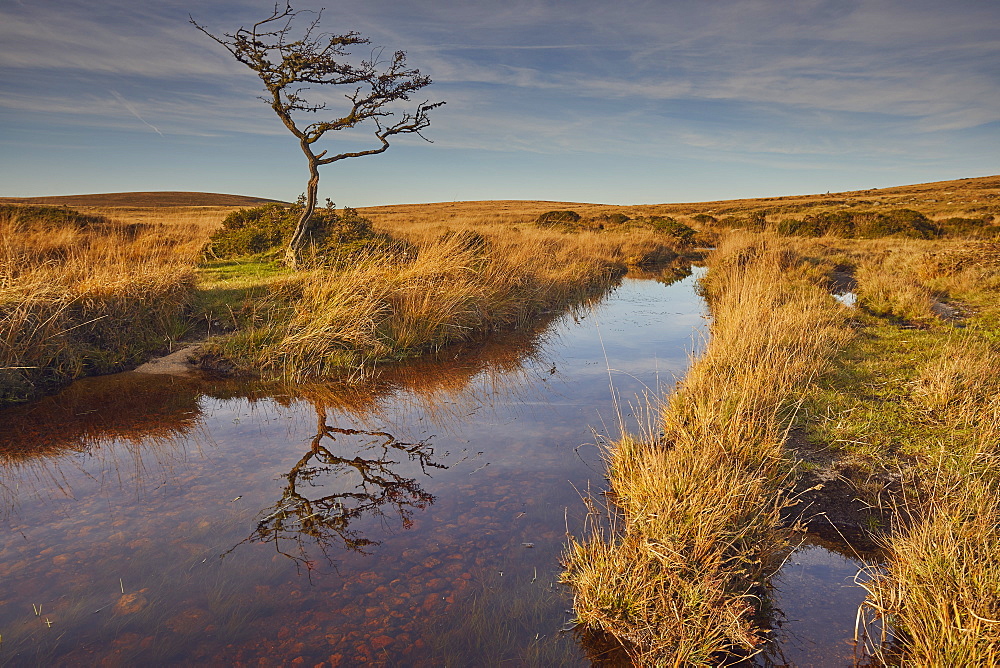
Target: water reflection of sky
121, 495
816, 597
416, 519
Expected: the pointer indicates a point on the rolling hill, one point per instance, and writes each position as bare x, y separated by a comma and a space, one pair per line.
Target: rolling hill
142, 199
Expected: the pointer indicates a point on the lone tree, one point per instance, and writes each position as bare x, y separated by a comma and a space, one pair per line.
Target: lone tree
289, 65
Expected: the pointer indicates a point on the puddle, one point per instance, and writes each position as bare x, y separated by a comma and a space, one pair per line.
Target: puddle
849, 299
416, 520
815, 597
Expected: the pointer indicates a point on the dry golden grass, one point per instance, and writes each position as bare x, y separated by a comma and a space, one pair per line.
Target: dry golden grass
940, 588
962, 374
92, 298
697, 498
886, 288
915, 395
963, 197
145, 200
700, 496
449, 288
77, 299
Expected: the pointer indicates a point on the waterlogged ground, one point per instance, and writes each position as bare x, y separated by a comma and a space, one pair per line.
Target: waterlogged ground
413, 520
815, 599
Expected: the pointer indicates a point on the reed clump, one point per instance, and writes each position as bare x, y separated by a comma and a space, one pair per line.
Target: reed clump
696, 521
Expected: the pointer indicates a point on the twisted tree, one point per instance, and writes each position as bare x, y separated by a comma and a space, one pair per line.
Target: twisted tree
327, 492
288, 66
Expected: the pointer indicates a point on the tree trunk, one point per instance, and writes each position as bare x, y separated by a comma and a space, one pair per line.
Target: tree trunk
303, 229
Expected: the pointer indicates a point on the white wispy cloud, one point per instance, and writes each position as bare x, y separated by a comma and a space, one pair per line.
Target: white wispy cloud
132, 110
737, 80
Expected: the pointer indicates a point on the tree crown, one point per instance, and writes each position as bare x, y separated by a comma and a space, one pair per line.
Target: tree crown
288, 66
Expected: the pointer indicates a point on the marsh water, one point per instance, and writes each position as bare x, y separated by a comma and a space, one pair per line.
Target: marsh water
412, 519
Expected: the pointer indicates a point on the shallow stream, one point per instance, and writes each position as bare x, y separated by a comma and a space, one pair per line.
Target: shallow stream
417, 519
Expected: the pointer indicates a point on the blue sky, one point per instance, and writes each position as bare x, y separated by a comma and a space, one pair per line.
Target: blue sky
622, 102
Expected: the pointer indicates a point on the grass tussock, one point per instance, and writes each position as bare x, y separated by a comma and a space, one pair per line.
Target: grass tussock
913, 405
94, 292
698, 499
86, 294
448, 288
887, 289
940, 589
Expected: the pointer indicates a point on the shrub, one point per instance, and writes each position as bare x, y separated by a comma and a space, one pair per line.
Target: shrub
836, 223
791, 227
555, 217
967, 227
266, 229
252, 231
900, 222
51, 217
912, 223
670, 227
612, 218
756, 221
862, 224
704, 219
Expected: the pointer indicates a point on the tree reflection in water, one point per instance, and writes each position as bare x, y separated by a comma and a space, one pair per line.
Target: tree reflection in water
368, 483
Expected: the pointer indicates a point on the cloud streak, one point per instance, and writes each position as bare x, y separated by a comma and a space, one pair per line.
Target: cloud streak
810, 82
132, 110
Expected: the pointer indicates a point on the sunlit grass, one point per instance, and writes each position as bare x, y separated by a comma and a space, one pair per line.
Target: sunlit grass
700, 494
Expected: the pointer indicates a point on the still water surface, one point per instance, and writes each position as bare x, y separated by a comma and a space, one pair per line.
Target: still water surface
413, 520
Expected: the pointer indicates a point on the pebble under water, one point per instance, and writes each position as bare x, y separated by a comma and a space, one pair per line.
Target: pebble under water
416, 519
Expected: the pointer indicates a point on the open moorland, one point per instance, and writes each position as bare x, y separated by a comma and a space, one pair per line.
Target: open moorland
873, 415
92, 290
969, 198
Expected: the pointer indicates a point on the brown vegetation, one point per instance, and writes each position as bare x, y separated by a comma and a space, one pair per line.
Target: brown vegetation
88, 294
696, 520
903, 387
92, 293
158, 199
935, 339
901, 393
449, 284
966, 198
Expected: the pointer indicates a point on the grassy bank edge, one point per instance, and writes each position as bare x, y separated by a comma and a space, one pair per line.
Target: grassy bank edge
913, 412
902, 395
84, 294
696, 520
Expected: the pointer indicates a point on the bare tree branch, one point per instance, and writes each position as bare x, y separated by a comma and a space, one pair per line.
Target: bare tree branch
287, 66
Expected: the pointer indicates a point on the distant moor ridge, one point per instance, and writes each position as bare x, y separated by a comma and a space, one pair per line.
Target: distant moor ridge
142, 199
974, 197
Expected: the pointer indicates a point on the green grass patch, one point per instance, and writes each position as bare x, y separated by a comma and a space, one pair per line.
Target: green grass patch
918, 407
863, 405
232, 294
246, 270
